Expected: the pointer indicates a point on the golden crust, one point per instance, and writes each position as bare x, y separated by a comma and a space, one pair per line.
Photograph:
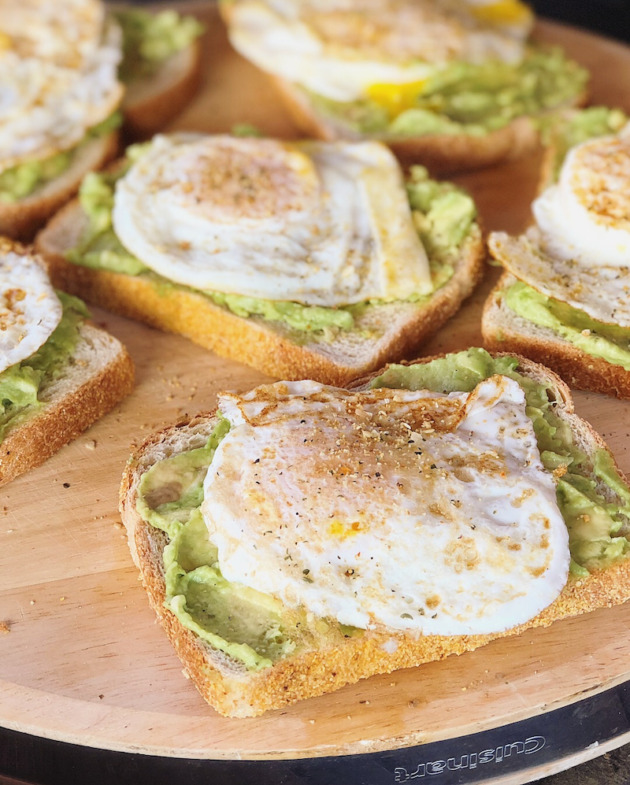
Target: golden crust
501, 332
238, 693
21, 220
68, 414
152, 103
439, 152
251, 341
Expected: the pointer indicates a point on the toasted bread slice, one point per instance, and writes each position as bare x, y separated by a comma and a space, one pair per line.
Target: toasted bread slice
381, 334
152, 101
503, 330
441, 153
20, 220
98, 375
330, 664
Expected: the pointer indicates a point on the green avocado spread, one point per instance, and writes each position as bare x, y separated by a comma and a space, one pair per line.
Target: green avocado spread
151, 38
24, 179
20, 385
443, 213
469, 99
608, 341
255, 628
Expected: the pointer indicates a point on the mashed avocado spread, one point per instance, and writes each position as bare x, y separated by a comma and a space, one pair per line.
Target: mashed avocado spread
22, 180
21, 383
443, 214
150, 39
466, 98
608, 341
255, 628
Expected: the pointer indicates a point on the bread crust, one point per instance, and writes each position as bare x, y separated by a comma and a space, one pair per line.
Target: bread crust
83, 398
235, 692
265, 346
151, 103
504, 331
20, 220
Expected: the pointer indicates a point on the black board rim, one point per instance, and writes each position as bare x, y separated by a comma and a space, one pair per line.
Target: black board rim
584, 729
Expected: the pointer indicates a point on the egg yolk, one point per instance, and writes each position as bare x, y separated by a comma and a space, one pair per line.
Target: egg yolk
344, 531
5, 42
503, 12
396, 98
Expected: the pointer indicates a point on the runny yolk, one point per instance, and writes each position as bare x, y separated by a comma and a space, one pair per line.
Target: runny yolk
396, 98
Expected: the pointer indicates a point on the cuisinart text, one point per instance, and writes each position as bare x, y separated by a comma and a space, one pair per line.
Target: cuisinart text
474, 759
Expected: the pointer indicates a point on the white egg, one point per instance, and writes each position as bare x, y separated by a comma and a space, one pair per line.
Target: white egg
390, 508
313, 222
47, 101
340, 49
585, 217
29, 308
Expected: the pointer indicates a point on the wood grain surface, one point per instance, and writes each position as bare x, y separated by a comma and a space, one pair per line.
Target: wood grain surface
83, 659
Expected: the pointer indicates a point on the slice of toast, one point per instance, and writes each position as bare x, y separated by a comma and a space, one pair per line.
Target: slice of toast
98, 375
503, 330
441, 153
328, 664
381, 334
20, 220
152, 101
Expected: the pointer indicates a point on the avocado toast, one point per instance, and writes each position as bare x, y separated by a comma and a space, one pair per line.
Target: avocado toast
282, 338
59, 386
246, 653
577, 328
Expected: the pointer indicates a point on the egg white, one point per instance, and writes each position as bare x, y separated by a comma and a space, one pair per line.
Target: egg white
404, 510
29, 308
383, 42
315, 223
585, 217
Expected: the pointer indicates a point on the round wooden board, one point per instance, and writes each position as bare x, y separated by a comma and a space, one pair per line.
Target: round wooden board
84, 660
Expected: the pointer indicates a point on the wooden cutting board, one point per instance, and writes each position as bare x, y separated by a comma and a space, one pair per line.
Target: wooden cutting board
84, 661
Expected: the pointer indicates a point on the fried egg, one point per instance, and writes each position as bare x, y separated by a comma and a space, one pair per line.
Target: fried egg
585, 217
348, 50
312, 222
603, 292
57, 80
29, 308
397, 509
